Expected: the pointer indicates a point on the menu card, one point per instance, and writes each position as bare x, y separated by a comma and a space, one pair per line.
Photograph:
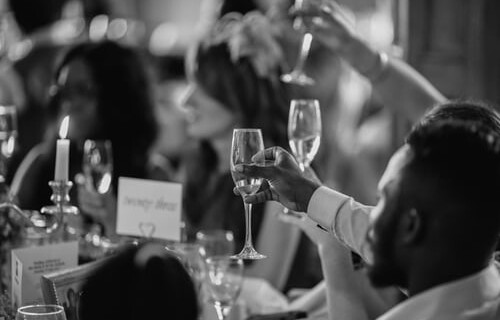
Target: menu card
29, 264
150, 209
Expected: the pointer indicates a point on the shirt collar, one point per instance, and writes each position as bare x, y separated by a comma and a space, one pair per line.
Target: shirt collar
452, 298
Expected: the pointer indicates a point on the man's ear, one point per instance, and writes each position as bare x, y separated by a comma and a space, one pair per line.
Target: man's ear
411, 227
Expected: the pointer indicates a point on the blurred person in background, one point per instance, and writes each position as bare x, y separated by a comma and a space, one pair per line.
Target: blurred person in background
173, 142
106, 91
140, 282
46, 27
234, 83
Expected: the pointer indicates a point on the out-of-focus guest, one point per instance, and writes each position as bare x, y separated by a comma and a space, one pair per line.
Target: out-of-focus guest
26, 77
106, 91
234, 82
173, 141
141, 282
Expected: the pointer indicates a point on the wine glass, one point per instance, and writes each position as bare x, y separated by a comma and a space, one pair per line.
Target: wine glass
41, 312
216, 242
98, 165
97, 168
190, 255
304, 130
246, 143
223, 281
298, 75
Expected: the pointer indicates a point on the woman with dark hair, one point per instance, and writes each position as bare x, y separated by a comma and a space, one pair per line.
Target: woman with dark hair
234, 83
105, 90
141, 282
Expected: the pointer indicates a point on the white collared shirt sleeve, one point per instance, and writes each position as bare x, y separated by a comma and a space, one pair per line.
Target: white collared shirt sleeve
345, 218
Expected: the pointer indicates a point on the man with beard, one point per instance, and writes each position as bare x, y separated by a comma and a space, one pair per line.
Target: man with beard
434, 229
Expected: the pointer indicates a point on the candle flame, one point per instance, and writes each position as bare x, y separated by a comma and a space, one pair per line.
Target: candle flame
63, 130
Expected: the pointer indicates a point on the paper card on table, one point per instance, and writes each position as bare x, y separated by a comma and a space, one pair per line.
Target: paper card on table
29, 264
150, 209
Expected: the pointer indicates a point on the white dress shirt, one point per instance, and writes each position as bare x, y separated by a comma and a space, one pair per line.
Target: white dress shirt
345, 218
476, 297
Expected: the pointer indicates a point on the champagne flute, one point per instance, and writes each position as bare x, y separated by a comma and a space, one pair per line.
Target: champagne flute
224, 280
98, 165
298, 75
246, 143
216, 242
304, 130
41, 312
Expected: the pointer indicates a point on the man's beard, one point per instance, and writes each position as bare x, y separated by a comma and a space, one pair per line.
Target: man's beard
384, 270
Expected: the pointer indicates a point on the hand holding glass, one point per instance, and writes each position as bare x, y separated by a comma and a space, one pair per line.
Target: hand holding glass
224, 280
246, 143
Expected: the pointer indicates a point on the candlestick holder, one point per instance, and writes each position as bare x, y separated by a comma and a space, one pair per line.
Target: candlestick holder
62, 210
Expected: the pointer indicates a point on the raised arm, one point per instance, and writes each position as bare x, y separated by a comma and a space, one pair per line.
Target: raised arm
399, 86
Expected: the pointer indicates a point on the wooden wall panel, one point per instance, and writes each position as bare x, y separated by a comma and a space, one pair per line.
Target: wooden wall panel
447, 44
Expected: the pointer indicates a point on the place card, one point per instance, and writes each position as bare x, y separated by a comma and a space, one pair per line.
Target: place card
29, 264
150, 209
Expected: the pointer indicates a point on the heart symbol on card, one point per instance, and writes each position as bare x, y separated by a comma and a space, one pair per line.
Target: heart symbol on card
147, 229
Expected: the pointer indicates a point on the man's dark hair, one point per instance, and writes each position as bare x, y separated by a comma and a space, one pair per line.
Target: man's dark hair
32, 15
463, 110
453, 179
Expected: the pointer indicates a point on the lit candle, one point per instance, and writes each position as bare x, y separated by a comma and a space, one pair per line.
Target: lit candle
62, 152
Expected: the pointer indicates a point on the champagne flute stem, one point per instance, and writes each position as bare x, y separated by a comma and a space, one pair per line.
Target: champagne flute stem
248, 225
304, 52
302, 166
222, 311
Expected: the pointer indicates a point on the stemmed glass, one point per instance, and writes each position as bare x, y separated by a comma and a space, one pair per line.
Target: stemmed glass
190, 254
224, 280
98, 165
216, 242
41, 312
246, 143
298, 75
304, 130
97, 168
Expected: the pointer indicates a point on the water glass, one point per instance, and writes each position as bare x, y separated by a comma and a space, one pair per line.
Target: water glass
216, 242
41, 312
223, 281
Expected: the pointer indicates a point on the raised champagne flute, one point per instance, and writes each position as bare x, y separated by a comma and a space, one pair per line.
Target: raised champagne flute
223, 281
246, 143
298, 75
304, 130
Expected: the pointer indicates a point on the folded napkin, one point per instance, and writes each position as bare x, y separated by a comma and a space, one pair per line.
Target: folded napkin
261, 298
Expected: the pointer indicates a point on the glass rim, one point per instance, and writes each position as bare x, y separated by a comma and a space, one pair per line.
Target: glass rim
304, 101
203, 233
223, 258
247, 130
7, 109
55, 306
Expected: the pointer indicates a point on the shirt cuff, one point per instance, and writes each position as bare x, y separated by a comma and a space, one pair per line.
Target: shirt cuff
324, 206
